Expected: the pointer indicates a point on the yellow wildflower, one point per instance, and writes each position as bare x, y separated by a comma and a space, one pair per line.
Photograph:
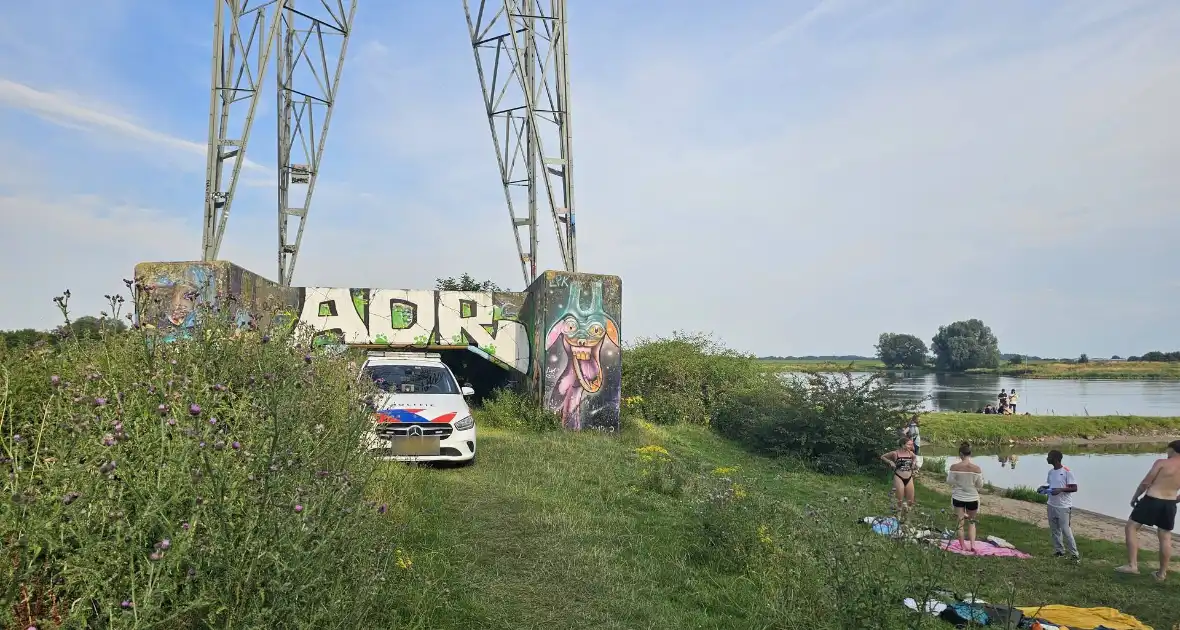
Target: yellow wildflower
764, 535
403, 561
738, 491
722, 471
652, 452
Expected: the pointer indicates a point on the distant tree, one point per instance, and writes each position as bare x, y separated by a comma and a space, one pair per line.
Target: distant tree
1084, 358
1156, 355
465, 282
964, 345
1016, 360
1115, 357
901, 351
23, 338
90, 327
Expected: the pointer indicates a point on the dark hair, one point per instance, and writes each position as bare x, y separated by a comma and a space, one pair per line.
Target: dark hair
1056, 456
905, 440
1174, 445
965, 449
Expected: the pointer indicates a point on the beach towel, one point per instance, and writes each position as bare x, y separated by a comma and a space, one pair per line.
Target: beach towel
886, 526
1000, 542
1084, 618
983, 549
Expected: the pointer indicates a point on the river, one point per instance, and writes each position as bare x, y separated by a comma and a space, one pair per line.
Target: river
1105, 481
969, 392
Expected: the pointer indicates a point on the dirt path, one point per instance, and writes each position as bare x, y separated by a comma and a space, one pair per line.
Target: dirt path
1084, 523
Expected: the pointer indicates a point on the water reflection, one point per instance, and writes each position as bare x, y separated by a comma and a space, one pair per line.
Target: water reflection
1105, 482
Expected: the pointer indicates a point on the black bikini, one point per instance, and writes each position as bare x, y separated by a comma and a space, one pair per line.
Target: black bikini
904, 464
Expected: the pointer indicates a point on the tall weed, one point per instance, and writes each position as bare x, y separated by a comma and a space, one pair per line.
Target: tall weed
213, 481
508, 409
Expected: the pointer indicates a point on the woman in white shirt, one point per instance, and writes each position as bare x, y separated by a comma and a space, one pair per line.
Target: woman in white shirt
966, 480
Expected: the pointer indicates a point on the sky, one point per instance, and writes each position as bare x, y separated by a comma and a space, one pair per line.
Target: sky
795, 177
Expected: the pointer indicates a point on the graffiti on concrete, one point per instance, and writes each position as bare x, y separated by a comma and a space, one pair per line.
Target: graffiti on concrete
175, 291
583, 375
402, 318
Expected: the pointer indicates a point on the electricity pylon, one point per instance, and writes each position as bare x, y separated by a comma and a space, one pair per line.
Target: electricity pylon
308, 81
240, 31
521, 57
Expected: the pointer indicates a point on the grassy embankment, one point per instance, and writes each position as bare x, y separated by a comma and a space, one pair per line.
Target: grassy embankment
1122, 370
949, 428
563, 530
215, 482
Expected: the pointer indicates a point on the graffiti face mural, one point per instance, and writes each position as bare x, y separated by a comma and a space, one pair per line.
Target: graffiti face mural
583, 350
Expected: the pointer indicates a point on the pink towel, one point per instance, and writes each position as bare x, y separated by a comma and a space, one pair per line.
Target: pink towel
983, 549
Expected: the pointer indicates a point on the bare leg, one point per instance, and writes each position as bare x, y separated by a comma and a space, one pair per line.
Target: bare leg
899, 494
971, 529
960, 513
1132, 539
909, 492
1165, 553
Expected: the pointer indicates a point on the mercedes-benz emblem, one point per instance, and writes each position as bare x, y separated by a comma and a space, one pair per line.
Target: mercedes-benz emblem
414, 430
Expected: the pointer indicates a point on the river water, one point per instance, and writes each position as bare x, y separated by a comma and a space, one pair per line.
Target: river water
969, 392
1105, 481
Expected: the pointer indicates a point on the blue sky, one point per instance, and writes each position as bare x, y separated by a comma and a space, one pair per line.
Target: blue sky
796, 177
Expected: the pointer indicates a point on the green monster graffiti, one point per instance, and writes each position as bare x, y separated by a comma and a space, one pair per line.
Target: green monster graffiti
576, 339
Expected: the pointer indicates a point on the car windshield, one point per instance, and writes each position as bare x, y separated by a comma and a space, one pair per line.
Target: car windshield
413, 379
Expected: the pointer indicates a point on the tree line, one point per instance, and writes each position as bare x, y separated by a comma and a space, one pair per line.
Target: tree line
86, 327
962, 345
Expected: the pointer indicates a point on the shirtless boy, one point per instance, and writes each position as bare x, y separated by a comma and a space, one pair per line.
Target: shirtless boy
1154, 505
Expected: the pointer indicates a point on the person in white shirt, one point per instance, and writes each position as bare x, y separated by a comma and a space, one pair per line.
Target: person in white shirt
966, 480
1060, 486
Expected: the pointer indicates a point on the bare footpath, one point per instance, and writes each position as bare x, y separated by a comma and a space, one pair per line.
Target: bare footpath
1084, 523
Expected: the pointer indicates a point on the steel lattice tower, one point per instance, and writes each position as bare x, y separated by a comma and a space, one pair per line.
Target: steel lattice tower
308, 84
522, 60
240, 30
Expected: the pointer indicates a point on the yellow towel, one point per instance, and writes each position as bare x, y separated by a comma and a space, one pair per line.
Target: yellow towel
1084, 618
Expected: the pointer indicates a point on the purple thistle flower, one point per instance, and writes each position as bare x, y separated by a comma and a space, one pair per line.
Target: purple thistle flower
55, 380
202, 444
156, 556
194, 409
266, 339
382, 509
163, 409
70, 498
164, 544
17, 438
185, 526
107, 467
100, 402
118, 426
235, 445
108, 440
171, 422
126, 603
307, 358
298, 508
212, 420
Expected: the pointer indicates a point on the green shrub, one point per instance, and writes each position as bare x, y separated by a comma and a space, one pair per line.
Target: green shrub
684, 378
836, 423
934, 465
210, 482
508, 409
1024, 493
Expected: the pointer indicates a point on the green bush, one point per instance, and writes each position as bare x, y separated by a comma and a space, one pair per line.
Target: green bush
209, 482
836, 423
508, 409
684, 378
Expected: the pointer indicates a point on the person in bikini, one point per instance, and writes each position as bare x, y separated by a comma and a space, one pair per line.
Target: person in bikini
902, 461
1154, 505
966, 480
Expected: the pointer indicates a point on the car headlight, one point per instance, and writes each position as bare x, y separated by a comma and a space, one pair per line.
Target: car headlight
464, 423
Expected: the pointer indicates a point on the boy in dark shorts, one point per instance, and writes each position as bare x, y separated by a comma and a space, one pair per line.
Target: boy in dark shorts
1154, 505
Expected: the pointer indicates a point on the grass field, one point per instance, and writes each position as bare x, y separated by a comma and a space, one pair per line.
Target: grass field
573, 530
949, 428
1146, 370
819, 365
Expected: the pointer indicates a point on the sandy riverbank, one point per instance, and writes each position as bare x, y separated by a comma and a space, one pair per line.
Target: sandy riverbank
1085, 524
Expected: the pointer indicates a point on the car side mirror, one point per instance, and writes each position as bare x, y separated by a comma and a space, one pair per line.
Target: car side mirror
468, 390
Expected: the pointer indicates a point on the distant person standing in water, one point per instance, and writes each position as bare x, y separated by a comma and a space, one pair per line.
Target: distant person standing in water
1012, 398
902, 462
1154, 504
1060, 486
